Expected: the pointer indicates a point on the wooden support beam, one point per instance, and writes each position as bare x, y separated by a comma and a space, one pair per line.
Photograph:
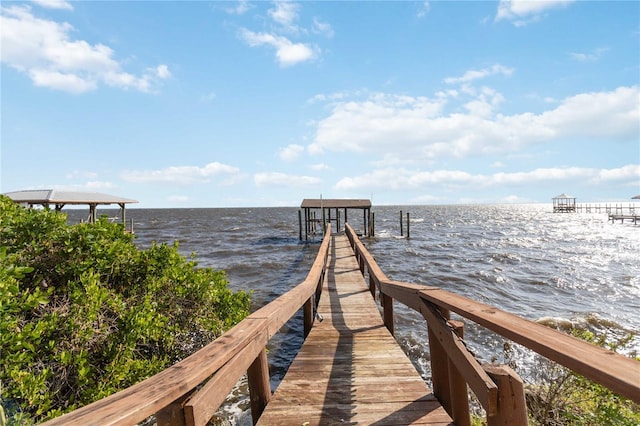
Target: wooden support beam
308, 315
442, 336
202, 405
259, 387
172, 414
512, 407
387, 305
439, 370
458, 386
617, 372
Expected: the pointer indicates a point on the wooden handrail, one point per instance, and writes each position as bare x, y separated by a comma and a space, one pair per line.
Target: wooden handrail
618, 373
138, 402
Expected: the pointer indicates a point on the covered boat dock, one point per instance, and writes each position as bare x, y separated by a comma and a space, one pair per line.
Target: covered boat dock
318, 212
53, 197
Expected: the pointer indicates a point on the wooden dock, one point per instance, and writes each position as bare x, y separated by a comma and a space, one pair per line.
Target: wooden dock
350, 368
635, 218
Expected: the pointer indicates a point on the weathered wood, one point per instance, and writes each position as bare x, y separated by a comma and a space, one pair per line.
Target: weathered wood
458, 386
387, 304
512, 407
140, 401
439, 370
259, 385
308, 315
172, 414
615, 371
199, 409
485, 390
350, 369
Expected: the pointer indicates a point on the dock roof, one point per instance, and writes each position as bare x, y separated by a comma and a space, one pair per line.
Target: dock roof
316, 203
54, 196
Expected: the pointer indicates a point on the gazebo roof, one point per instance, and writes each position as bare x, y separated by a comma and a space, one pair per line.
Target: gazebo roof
54, 196
563, 195
316, 203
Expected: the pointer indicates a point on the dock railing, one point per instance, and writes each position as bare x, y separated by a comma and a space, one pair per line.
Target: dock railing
192, 390
497, 387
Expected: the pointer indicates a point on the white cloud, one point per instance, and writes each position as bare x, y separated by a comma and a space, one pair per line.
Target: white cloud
241, 7
54, 4
592, 56
424, 8
286, 180
291, 152
323, 28
182, 174
71, 83
320, 167
523, 12
285, 13
287, 52
209, 97
162, 71
401, 178
90, 186
472, 75
44, 50
415, 128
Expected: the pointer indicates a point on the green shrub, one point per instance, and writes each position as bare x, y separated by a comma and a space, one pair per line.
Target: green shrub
84, 313
562, 397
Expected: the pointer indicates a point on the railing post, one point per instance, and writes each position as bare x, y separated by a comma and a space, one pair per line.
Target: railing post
439, 368
308, 315
387, 304
512, 407
372, 285
458, 386
172, 414
259, 387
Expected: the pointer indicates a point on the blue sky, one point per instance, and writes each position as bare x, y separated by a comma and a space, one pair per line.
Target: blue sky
224, 104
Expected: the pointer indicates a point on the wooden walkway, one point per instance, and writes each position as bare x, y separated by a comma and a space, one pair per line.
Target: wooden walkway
350, 370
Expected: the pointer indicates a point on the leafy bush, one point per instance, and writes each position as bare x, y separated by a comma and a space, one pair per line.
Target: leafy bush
562, 397
84, 313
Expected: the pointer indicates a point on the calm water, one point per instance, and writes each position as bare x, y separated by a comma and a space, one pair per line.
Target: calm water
560, 268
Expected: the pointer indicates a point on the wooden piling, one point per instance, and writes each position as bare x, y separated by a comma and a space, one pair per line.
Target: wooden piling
458, 386
512, 407
259, 385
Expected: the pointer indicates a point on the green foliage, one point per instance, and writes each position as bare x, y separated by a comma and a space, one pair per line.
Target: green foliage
562, 397
85, 313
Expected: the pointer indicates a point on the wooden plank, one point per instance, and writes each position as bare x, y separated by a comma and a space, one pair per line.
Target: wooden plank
350, 369
615, 371
205, 402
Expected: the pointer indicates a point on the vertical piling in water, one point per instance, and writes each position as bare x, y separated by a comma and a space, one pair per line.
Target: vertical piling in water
408, 224
401, 226
300, 225
372, 225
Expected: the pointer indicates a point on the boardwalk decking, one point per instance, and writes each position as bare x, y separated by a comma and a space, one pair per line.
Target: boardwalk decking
350, 370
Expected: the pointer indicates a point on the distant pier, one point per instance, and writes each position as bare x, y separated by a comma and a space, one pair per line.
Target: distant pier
635, 218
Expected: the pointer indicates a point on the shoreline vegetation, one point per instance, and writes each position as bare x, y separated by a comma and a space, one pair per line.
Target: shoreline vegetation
84, 313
